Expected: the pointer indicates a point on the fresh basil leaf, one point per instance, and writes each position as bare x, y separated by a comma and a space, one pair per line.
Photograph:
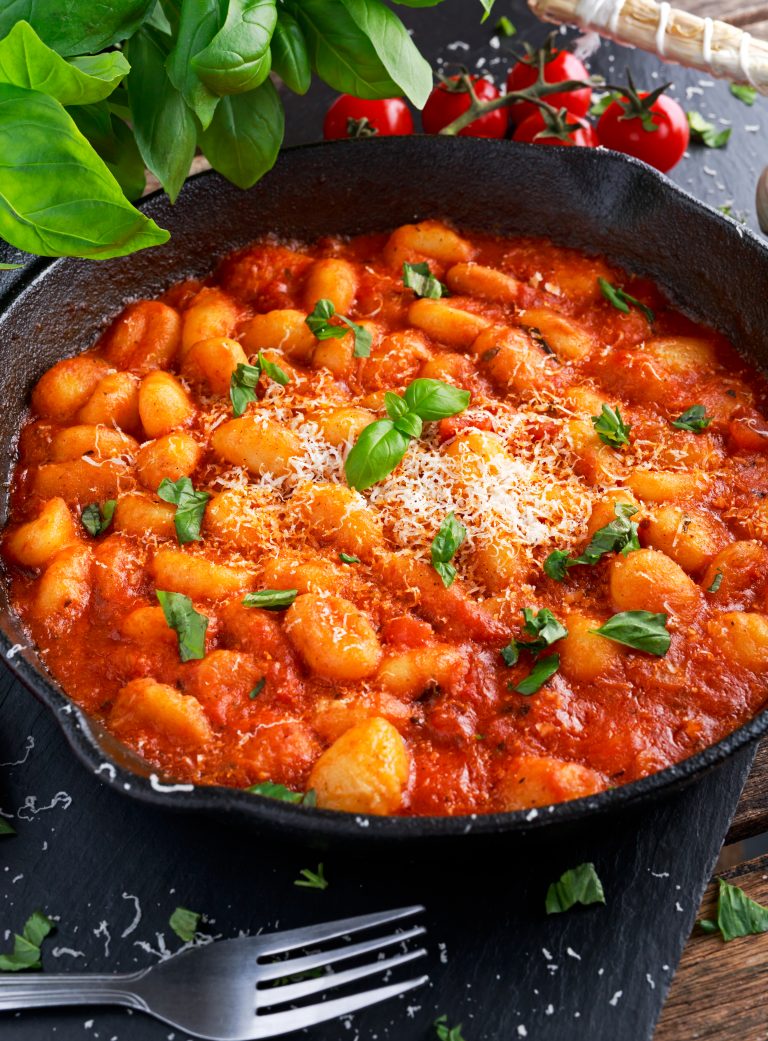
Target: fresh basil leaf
743, 93
320, 327
349, 558
395, 405
579, 885
6, 828
445, 545
271, 599
544, 628
114, 142
26, 947
260, 685
717, 581
737, 914
420, 279
432, 399
363, 338
621, 300
542, 670
244, 137
619, 536
238, 59
96, 519
410, 424
556, 564
706, 133
694, 419
290, 59
642, 630
28, 62
273, 371
184, 923
164, 126
270, 790
511, 653
312, 879
442, 1030
10, 267
611, 428
361, 47
59, 198
504, 27
190, 507
190, 626
707, 925
81, 27
245, 379
487, 6
198, 24
376, 453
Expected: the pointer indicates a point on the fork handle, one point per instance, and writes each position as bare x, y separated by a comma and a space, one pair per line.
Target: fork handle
69, 989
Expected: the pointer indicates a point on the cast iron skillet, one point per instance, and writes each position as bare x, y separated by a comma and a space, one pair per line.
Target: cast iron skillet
604, 203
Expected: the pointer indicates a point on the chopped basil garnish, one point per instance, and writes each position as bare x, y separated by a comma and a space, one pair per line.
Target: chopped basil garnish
579, 885
349, 558
619, 536
705, 132
190, 507
743, 93
382, 444
26, 947
184, 923
504, 27
420, 279
717, 581
190, 626
446, 1033
260, 685
6, 828
611, 428
737, 914
621, 300
312, 879
445, 544
271, 599
544, 628
96, 519
542, 670
694, 419
245, 379
642, 630
271, 790
321, 328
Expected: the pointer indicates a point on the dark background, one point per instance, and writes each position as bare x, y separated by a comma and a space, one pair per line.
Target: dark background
93, 860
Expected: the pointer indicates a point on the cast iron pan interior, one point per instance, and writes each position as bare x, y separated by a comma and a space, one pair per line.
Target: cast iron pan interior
604, 203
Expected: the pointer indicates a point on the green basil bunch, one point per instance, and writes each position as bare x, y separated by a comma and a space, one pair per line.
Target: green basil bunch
92, 93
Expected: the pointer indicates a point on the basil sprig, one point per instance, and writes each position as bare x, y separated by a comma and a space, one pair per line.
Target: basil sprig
318, 321
26, 946
382, 444
190, 507
737, 914
579, 885
245, 379
96, 519
545, 630
271, 599
420, 279
190, 626
611, 428
622, 300
444, 547
271, 790
643, 630
619, 536
694, 419
184, 923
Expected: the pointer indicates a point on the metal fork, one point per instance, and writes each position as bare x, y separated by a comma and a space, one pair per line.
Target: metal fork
214, 993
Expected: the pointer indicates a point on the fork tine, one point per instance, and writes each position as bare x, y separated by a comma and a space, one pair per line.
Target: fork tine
290, 939
275, 1023
279, 969
296, 991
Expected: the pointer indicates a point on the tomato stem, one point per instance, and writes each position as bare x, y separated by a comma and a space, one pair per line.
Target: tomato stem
534, 94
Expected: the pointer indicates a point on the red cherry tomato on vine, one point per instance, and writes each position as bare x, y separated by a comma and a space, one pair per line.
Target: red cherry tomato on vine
562, 66
449, 100
662, 148
349, 116
583, 135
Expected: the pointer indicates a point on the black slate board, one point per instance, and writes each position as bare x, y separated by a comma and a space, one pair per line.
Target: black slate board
496, 962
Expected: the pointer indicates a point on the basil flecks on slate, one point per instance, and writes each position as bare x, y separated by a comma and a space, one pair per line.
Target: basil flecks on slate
618, 536
319, 325
26, 946
190, 507
622, 300
694, 419
611, 428
271, 599
642, 630
184, 923
96, 519
420, 279
312, 879
189, 624
445, 544
579, 885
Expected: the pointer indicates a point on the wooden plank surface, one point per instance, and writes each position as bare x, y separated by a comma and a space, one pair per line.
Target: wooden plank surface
752, 812
719, 990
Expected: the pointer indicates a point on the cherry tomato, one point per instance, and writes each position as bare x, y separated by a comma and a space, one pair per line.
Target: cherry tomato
349, 116
449, 100
560, 67
662, 148
583, 135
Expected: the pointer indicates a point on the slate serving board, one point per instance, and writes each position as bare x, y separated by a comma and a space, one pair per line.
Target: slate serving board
112, 872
